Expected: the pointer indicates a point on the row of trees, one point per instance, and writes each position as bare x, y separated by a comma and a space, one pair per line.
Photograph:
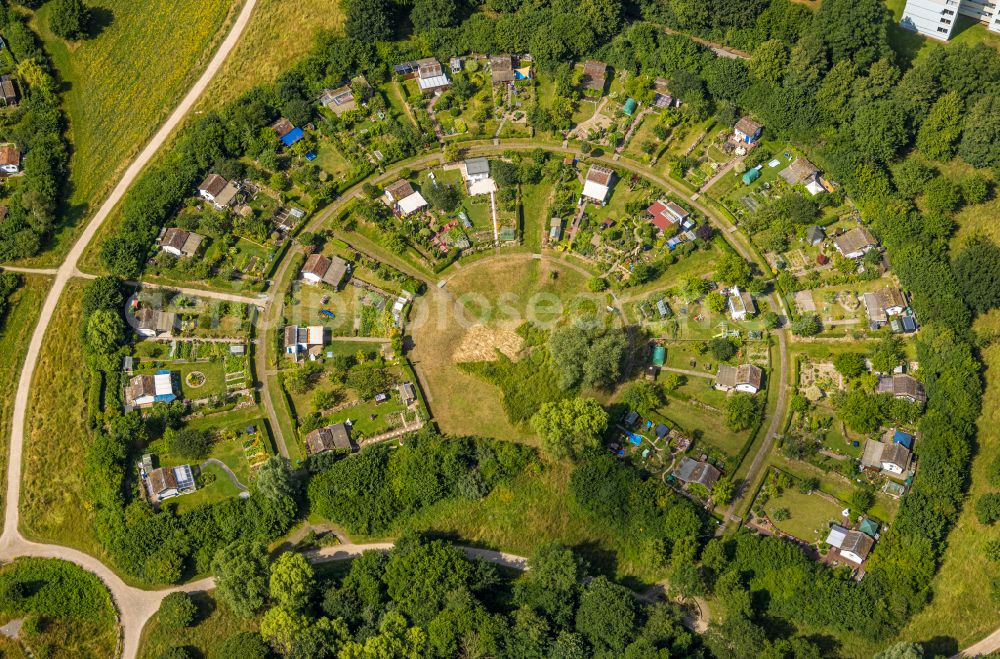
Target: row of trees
36, 126
9, 282
425, 599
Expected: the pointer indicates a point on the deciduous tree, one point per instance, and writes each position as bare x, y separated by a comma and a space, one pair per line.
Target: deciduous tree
570, 427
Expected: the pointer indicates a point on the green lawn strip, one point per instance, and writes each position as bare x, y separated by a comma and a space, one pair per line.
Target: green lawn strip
18, 324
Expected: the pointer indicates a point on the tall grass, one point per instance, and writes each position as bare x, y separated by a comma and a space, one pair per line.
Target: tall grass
57, 436
278, 35
122, 83
18, 324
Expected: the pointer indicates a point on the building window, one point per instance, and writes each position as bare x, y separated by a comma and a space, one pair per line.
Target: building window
941, 29
948, 12
946, 21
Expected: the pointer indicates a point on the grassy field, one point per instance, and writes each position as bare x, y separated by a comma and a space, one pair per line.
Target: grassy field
80, 620
279, 33
534, 508
15, 333
57, 435
978, 219
213, 624
447, 319
692, 417
961, 607
122, 84
809, 514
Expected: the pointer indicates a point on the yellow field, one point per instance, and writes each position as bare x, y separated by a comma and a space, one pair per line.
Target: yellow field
56, 435
279, 33
15, 333
123, 83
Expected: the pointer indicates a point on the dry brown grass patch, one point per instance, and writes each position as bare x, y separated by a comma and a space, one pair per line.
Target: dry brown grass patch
481, 343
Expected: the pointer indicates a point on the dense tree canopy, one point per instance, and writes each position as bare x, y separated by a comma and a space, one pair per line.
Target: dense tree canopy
571, 427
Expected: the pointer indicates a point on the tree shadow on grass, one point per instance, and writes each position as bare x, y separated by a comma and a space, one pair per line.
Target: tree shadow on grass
100, 18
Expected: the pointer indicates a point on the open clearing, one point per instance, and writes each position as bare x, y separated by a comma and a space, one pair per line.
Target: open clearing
278, 35
492, 295
57, 435
214, 623
535, 508
22, 315
122, 84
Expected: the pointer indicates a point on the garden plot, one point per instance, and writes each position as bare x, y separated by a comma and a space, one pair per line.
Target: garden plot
818, 379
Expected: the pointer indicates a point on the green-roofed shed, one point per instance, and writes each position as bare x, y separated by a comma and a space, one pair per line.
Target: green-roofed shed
750, 176
630, 106
659, 356
868, 526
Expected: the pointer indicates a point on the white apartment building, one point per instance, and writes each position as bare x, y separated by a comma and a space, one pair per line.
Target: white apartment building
937, 18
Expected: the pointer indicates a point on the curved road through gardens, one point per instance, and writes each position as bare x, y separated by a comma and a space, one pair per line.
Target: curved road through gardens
135, 605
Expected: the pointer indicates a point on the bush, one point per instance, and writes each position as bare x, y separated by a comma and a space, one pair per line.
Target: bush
177, 611
243, 645
721, 349
189, 443
368, 492
176, 652
743, 411
988, 508
807, 325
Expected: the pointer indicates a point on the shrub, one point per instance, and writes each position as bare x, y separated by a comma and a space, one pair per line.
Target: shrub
177, 611
189, 443
988, 508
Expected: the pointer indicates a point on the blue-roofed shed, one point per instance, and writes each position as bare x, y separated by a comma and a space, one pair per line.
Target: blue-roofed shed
661, 430
292, 136
903, 438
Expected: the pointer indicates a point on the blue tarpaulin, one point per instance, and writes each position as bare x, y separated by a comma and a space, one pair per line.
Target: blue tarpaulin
310, 156
292, 136
903, 438
634, 438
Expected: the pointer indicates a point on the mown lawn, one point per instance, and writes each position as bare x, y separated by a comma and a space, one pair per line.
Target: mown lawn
697, 407
278, 34
18, 324
56, 435
213, 625
809, 515
122, 84
960, 607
